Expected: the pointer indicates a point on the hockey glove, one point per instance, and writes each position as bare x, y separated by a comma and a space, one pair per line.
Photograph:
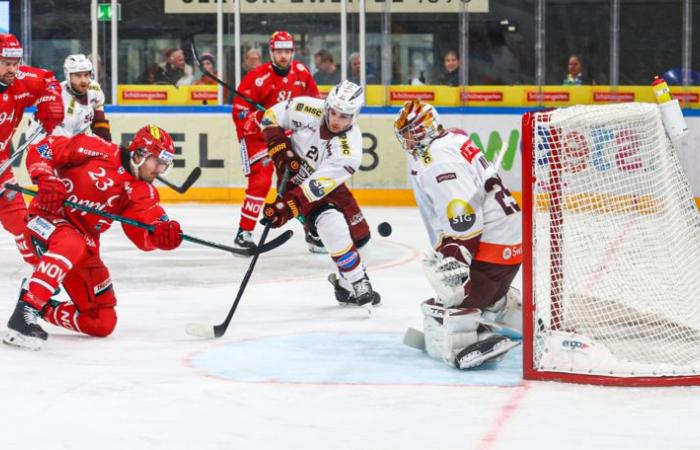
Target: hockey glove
166, 234
282, 155
294, 204
448, 276
49, 111
49, 200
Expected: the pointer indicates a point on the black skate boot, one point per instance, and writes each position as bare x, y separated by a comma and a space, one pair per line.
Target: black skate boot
362, 293
244, 240
315, 243
23, 329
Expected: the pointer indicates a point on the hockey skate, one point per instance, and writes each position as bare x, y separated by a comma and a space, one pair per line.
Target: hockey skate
362, 293
315, 243
23, 329
244, 240
493, 348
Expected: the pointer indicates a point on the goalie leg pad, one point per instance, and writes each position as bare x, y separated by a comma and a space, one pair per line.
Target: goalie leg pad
507, 310
448, 330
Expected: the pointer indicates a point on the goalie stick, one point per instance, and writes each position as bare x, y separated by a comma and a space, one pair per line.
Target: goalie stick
208, 331
191, 179
273, 244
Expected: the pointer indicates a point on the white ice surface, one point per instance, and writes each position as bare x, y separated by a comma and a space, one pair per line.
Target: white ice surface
294, 371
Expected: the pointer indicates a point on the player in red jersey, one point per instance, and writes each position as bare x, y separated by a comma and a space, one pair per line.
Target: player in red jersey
20, 87
90, 171
283, 78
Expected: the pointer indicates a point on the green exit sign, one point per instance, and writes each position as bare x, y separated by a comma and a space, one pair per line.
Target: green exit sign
104, 11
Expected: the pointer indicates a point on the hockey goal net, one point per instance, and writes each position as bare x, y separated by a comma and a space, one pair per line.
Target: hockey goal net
612, 249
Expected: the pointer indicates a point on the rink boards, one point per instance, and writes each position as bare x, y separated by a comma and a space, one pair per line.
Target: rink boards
205, 137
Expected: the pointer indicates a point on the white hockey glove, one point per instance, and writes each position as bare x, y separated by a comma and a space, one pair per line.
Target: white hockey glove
447, 276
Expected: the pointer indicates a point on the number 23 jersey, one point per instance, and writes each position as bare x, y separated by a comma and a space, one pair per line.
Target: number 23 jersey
461, 196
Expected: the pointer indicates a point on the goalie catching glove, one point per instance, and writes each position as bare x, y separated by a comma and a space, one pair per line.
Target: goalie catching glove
447, 272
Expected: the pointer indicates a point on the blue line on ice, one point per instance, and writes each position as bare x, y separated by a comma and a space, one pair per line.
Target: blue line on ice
326, 358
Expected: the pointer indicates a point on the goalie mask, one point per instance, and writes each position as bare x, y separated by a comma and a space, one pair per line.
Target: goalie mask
153, 141
345, 98
416, 126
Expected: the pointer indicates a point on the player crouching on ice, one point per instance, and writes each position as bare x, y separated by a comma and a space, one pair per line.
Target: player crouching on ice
87, 170
474, 225
324, 150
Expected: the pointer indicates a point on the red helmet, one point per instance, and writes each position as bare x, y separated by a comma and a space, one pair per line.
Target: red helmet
154, 141
281, 40
10, 47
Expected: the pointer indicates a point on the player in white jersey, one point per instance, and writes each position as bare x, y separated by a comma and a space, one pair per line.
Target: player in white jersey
473, 223
323, 152
83, 101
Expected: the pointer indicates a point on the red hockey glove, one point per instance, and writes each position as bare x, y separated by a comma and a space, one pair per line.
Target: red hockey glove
294, 204
49, 200
251, 125
49, 111
166, 235
282, 156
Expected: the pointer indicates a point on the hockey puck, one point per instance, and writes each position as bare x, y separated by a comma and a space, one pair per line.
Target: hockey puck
384, 229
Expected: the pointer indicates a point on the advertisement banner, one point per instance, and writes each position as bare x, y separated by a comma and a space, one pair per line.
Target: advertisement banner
324, 6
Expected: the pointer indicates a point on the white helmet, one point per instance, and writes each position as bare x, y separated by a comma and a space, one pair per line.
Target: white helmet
345, 98
75, 64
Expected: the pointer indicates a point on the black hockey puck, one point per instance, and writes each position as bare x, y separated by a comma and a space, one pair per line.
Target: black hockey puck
384, 229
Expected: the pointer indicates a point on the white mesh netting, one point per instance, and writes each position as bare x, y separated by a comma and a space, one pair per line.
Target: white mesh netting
616, 245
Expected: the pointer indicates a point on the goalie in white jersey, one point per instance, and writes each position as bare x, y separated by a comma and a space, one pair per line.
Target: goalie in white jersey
323, 151
474, 226
83, 101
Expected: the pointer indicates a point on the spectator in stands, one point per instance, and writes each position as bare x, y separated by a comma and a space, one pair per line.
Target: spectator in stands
355, 66
173, 71
575, 73
253, 58
327, 72
449, 76
207, 61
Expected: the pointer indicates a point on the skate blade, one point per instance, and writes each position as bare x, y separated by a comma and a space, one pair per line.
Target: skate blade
366, 307
317, 250
15, 339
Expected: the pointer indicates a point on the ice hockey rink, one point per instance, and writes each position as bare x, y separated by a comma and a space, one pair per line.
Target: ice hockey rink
294, 370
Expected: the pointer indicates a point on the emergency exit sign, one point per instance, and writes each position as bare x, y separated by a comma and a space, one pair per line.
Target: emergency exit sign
104, 11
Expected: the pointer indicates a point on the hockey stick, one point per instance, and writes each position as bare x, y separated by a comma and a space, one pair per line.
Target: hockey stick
222, 83
20, 150
191, 179
276, 242
208, 331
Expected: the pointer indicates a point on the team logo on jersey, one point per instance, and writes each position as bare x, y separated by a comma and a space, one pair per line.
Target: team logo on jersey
259, 81
45, 151
460, 214
320, 187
